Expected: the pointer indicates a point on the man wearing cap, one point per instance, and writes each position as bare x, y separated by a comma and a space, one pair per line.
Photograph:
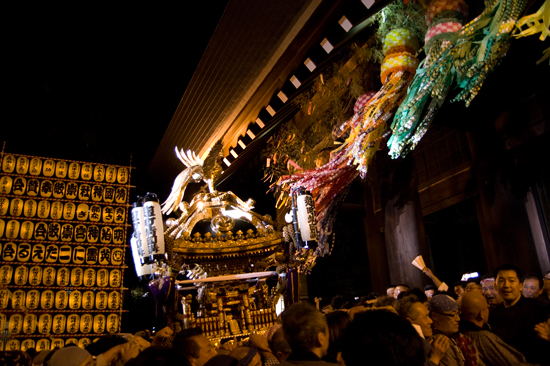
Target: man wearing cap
444, 313
515, 318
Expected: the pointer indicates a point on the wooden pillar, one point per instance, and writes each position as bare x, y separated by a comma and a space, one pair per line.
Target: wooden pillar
404, 228
503, 218
374, 235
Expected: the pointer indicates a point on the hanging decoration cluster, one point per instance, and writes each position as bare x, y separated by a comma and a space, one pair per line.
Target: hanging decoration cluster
457, 56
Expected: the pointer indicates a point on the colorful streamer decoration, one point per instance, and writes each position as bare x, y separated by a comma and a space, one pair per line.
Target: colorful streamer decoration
434, 77
397, 71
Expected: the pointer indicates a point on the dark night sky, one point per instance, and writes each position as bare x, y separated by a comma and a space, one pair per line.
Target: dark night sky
98, 83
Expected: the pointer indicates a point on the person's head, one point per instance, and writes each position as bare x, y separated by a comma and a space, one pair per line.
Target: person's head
390, 290
337, 302
459, 287
473, 285
280, 347
489, 291
508, 283
71, 356
398, 289
532, 286
429, 291
413, 309
444, 313
474, 308
305, 329
382, 338
247, 356
382, 301
104, 343
160, 356
194, 345
337, 321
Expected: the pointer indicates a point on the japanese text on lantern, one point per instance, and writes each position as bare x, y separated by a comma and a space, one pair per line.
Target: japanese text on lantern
63, 227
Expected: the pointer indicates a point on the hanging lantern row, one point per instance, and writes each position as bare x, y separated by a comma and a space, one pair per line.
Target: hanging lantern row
62, 190
43, 344
58, 210
62, 169
39, 253
60, 300
54, 231
75, 277
59, 323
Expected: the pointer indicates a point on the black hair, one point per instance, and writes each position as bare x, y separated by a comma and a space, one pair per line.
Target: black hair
384, 301
404, 306
337, 321
460, 283
508, 267
337, 302
302, 323
430, 287
384, 338
532, 276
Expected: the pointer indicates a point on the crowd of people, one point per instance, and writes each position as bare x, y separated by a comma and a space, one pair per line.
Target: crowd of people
500, 319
